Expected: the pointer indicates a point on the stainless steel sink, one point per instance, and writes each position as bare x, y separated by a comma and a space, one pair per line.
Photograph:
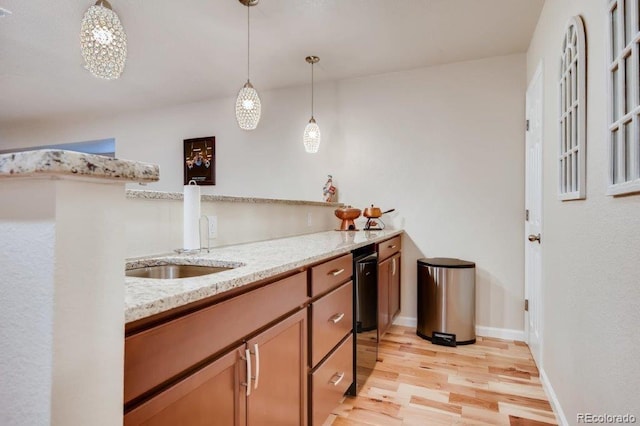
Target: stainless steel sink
171, 271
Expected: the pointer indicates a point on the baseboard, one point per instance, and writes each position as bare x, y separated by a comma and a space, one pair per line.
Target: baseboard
500, 333
553, 398
406, 321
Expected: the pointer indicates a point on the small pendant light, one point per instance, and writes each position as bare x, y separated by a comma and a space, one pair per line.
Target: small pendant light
103, 41
248, 102
311, 137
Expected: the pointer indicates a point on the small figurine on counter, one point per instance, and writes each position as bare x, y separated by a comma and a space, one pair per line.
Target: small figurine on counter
329, 191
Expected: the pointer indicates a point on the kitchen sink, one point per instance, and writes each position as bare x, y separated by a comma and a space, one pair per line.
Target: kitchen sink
172, 271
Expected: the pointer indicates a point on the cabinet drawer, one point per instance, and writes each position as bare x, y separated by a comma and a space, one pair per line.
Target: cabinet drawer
330, 381
328, 275
389, 247
331, 320
158, 354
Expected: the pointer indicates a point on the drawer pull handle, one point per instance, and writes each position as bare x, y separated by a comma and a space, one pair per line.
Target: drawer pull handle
336, 318
247, 358
338, 380
336, 272
392, 247
255, 385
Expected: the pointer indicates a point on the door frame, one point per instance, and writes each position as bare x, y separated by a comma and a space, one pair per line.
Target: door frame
538, 77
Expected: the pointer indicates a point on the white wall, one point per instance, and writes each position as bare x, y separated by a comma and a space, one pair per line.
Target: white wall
61, 302
591, 250
155, 226
443, 145
269, 162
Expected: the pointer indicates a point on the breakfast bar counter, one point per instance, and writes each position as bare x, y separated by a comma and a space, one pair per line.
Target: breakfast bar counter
249, 263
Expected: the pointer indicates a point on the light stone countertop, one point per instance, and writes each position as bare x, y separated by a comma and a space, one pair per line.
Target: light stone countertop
57, 162
255, 261
161, 195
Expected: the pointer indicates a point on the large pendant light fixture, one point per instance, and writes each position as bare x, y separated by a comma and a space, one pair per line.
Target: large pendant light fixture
311, 137
103, 41
248, 102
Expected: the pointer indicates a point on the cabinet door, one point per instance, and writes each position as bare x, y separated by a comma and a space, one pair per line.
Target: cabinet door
394, 287
384, 271
209, 396
279, 355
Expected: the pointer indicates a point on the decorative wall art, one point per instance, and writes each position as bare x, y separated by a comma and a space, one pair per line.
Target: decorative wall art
200, 160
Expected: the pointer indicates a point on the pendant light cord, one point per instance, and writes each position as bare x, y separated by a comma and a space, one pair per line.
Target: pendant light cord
248, 40
312, 90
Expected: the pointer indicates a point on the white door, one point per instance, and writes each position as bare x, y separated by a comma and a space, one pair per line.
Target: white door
533, 217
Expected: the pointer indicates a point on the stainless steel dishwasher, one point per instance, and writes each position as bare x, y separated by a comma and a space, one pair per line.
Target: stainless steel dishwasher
365, 315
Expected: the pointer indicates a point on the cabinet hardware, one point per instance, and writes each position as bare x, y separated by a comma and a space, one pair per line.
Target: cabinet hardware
340, 377
393, 266
247, 358
255, 347
533, 238
392, 247
336, 318
336, 272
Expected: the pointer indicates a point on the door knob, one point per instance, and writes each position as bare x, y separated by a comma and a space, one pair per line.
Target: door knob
533, 238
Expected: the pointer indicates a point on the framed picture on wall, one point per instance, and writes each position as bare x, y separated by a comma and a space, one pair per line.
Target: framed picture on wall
200, 160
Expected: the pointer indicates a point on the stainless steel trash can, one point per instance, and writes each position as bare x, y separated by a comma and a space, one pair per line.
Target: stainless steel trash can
447, 301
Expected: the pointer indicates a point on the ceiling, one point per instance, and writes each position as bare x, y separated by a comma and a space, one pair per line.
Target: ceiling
192, 50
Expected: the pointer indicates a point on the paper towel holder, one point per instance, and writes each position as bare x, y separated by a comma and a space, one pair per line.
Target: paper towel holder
206, 233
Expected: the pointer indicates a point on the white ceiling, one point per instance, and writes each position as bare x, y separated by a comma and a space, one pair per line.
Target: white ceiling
191, 50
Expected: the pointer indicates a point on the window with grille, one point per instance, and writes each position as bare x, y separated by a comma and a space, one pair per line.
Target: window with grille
572, 164
624, 96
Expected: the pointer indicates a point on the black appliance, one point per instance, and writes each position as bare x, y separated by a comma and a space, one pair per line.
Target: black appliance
365, 315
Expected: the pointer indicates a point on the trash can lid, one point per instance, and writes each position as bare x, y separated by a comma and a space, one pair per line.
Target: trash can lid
446, 262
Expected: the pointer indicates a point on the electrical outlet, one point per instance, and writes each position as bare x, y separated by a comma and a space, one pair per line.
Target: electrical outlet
213, 227
309, 219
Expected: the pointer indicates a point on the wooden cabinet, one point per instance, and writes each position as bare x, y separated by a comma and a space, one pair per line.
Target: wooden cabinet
330, 381
330, 274
221, 394
238, 362
213, 392
157, 355
331, 320
331, 341
389, 261
278, 394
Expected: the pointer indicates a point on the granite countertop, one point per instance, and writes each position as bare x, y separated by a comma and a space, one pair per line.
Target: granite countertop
61, 163
252, 262
161, 195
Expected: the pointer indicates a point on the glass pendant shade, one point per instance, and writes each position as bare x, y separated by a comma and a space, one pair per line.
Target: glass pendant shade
103, 41
311, 137
248, 107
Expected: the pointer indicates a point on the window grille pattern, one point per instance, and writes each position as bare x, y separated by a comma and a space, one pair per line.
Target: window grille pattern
624, 97
572, 164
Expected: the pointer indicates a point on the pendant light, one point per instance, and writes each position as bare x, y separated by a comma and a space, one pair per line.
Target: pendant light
248, 103
311, 137
103, 41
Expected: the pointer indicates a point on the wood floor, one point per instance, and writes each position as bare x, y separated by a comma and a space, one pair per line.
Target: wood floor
492, 382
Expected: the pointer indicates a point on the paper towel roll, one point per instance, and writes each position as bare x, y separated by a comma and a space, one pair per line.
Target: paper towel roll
191, 224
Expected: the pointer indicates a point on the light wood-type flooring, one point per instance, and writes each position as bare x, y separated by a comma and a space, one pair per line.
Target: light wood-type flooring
492, 382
